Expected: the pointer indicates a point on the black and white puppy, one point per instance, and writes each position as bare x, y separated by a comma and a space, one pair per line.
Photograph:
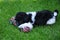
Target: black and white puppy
26, 20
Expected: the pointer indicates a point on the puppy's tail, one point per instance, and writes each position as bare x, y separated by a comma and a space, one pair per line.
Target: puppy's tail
55, 12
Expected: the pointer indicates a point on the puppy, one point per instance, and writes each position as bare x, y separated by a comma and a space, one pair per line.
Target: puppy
26, 20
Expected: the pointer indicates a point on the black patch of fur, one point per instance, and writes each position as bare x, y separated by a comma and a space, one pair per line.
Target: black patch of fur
42, 17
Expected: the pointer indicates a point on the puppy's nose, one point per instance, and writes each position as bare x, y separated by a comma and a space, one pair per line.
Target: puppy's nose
26, 29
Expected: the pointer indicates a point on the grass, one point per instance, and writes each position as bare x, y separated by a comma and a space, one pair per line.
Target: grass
9, 8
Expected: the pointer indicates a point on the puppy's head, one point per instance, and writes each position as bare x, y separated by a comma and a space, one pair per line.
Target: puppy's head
21, 17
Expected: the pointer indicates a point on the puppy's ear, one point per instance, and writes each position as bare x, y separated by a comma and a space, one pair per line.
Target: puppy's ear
26, 18
30, 16
20, 15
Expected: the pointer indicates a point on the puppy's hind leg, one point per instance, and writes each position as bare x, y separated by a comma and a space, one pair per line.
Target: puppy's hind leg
53, 19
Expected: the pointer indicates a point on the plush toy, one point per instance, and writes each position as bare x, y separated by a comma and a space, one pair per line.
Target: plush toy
12, 21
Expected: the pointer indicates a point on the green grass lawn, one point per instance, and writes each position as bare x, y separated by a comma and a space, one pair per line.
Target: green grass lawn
9, 8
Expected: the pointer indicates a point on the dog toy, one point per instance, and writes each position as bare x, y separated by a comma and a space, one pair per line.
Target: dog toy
13, 21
